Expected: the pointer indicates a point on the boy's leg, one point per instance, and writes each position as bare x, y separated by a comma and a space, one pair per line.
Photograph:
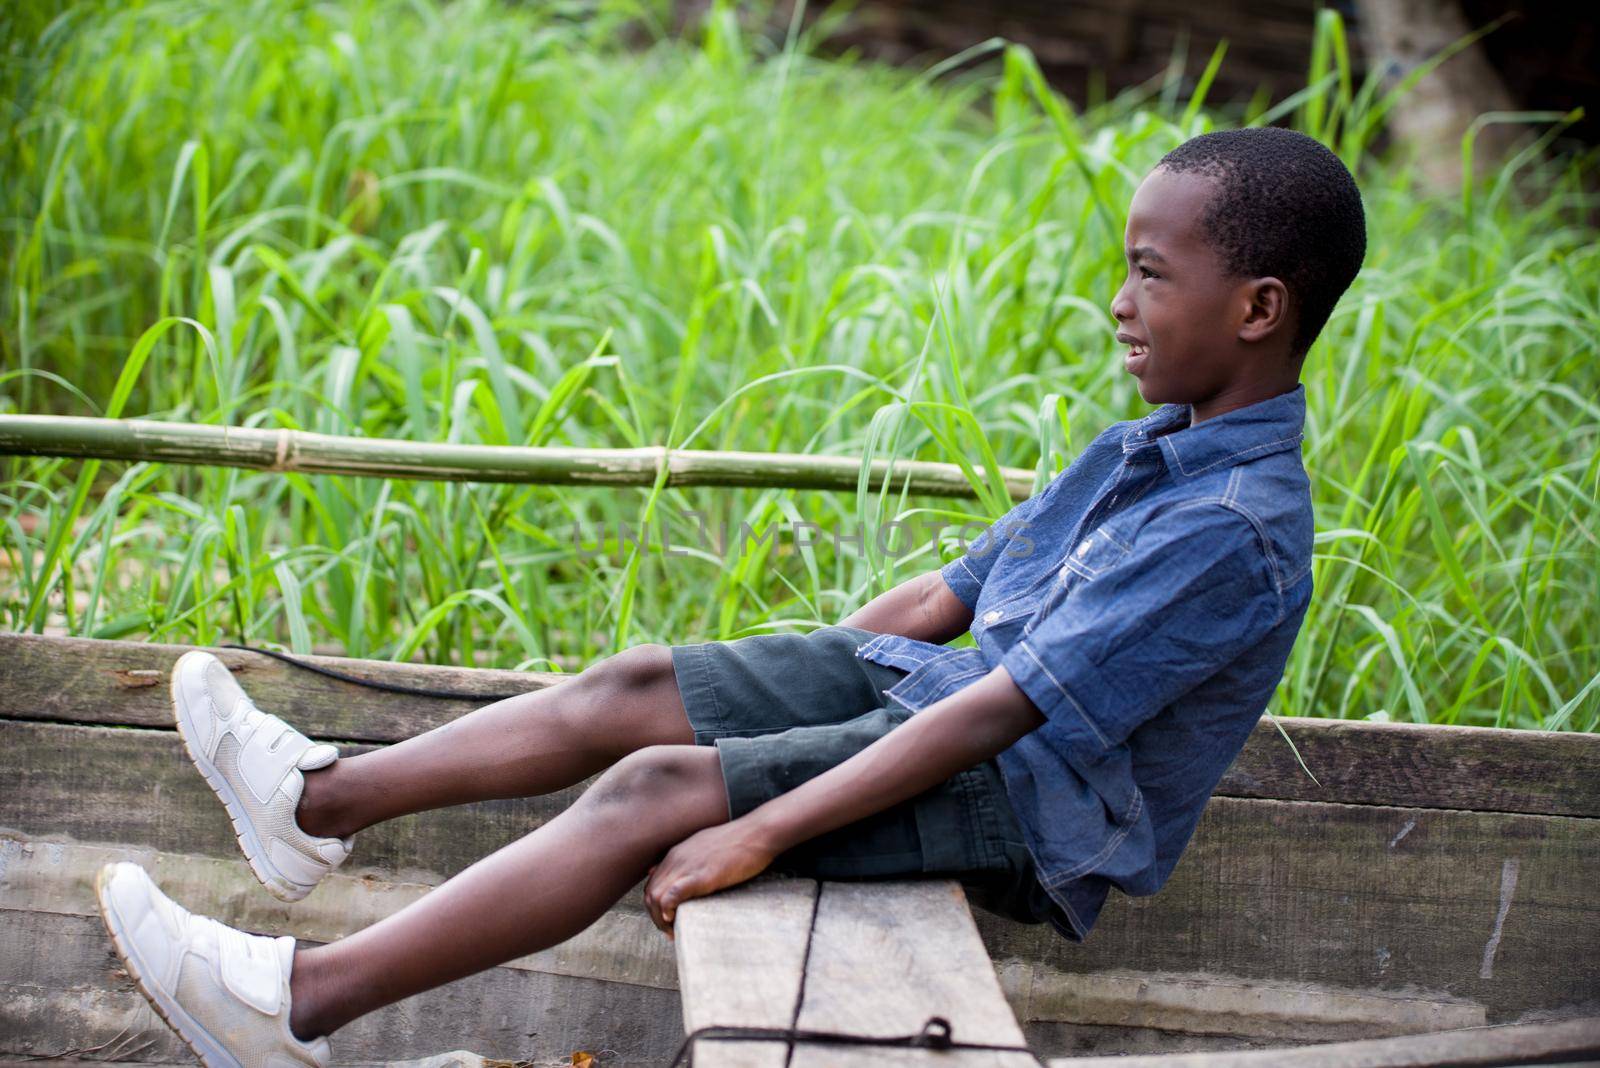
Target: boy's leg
532, 894
534, 743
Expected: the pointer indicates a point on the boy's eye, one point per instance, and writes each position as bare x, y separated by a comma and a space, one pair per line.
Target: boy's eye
1147, 272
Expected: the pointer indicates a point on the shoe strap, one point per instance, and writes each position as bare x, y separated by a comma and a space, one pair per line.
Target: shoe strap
250, 968
317, 755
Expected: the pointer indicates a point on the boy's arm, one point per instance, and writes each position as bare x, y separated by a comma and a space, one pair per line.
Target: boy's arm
923, 608
935, 607
949, 736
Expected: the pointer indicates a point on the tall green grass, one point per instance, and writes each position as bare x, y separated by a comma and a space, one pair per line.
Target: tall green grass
483, 222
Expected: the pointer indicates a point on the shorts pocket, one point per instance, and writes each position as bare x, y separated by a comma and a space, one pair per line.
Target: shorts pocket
958, 826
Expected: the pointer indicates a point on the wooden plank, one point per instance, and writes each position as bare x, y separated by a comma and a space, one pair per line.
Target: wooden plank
887, 956
1417, 765
131, 786
453, 1059
883, 957
1328, 922
65, 992
1571, 1041
85, 680
127, 787
740, 955
1344, 921
1346, 898
58, 878
134, 786
459, 1058
1115, 1007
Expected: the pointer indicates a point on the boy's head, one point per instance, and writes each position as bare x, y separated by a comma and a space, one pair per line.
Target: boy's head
1239, 243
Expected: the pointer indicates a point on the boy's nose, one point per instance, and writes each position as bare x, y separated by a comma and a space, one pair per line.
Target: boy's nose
1121, 307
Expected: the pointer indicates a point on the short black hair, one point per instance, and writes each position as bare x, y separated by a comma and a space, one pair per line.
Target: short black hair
1284, 206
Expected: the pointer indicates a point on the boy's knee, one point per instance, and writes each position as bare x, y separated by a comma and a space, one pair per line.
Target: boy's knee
639, 667
657, 774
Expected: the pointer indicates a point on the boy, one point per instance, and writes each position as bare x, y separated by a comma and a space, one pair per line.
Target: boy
1131, 621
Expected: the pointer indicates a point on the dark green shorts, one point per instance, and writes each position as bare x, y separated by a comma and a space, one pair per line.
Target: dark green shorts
783, 708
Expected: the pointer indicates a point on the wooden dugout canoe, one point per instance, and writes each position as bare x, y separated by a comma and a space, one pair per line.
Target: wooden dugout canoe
1428, 879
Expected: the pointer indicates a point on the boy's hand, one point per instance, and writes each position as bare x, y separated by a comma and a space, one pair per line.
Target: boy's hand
703, 863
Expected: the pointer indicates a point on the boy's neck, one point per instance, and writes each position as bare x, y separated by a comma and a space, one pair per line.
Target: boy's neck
1239, 396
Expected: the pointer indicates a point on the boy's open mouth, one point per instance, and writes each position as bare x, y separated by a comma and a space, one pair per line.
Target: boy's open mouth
1138, 353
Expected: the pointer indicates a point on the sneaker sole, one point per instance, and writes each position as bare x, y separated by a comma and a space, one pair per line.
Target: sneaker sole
206, 1048
243, 829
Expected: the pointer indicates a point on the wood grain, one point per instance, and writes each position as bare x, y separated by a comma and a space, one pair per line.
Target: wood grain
1571, 1042
888, 956
65, 990
84, 680
1303, 910
740, 955
623, 946
1364, 898
1418, 765
884, 957
87, 680
131, 786
1377, 920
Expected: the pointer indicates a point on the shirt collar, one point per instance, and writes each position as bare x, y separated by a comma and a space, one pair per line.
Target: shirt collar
1273, 425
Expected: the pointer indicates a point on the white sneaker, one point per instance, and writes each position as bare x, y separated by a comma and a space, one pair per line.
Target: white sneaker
255, 762
225, 992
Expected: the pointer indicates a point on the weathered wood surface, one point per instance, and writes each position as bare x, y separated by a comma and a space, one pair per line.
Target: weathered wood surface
613, 985
1285, 920
1417, 765
65, 993
1570, 1042
1331, 922
128, 785
740, 958
887, 956
57, 877
459, 1058
1344, 897
283, 449
84, 680
1380, 918
854, 958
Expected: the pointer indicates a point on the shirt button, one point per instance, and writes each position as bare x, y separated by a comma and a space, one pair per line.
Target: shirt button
991, 615
1083, 549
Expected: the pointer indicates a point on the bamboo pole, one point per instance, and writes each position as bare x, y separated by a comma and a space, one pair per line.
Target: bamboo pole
327, 454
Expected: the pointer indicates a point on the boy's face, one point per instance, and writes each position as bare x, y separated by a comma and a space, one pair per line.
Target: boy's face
1179, 310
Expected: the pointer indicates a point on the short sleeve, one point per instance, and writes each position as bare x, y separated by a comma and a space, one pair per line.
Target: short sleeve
1194, 591
966, 573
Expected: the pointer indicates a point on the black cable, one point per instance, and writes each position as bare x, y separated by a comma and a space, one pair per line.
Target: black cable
936, 1034
373, 683
805, 970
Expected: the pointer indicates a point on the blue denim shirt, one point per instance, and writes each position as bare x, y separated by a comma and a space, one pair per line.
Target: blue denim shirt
1146, 601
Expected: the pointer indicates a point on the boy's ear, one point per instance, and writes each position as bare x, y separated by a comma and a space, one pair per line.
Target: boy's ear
1266, 309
